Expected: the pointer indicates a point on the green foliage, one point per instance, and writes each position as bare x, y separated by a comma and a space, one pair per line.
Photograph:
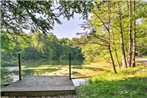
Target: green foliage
40, 46
30, 53
94, 43
5, 75
142, 38
19, 15
10, 40
6, 43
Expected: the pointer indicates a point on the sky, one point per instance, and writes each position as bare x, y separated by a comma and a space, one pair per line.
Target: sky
68, 28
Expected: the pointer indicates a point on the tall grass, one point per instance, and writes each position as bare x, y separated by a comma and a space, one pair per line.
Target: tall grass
130, 83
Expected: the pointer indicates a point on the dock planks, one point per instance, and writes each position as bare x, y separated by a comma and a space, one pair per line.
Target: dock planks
40, 86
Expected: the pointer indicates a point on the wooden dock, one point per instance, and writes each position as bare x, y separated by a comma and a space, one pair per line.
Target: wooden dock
40, 86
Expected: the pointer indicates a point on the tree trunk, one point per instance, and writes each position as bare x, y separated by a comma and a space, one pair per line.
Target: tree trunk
111, 56
109, 37
124, 61
116, 54
134, 38
130, 34
109, 34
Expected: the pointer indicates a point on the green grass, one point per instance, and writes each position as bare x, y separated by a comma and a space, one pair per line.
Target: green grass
131, 83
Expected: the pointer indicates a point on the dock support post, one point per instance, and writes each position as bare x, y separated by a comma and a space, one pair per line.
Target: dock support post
19, 63
69, 66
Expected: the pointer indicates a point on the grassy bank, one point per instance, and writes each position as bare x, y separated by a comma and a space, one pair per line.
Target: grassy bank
131, 83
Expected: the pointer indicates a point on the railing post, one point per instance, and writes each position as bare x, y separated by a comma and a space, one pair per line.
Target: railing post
69, 66
19, 63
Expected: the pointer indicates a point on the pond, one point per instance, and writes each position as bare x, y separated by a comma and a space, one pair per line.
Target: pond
78, 82
12, 68
15, 77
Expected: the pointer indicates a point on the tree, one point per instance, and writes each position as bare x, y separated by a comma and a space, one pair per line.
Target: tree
134, 35
115, 28
109, 45
109, 21
130, 34
19, 15
104, 37
124, 61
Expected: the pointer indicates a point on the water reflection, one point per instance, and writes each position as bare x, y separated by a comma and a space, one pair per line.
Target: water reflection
30, 72
15, 78
40, 67
12, 68
78, 82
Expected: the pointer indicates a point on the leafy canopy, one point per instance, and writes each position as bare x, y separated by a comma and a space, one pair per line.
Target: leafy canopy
19, 15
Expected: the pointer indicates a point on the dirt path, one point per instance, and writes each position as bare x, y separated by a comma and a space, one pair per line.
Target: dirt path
142, 60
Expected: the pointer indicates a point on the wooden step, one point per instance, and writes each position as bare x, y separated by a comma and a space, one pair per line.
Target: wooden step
40, 86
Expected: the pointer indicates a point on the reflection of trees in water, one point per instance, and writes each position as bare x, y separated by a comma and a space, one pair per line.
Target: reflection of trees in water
27, 73
4, 76
60, 62
31, 72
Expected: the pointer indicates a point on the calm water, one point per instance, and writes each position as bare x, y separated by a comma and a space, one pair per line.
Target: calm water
76, 82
